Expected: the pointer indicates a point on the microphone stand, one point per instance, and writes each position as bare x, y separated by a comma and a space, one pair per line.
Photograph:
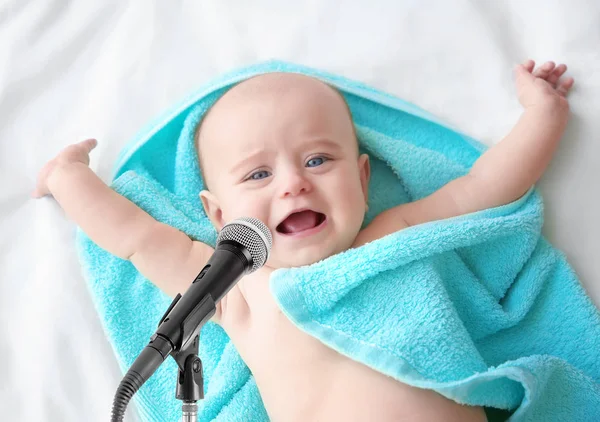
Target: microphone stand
178, 334
190, 381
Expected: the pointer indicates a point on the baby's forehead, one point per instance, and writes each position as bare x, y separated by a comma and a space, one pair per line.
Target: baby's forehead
278, 88
269, 99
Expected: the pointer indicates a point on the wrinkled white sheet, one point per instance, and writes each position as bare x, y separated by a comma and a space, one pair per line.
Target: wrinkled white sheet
71, 70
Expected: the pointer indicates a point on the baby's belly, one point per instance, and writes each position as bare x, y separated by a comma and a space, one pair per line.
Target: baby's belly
301, 379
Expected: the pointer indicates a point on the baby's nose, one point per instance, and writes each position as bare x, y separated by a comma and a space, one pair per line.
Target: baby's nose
296, 184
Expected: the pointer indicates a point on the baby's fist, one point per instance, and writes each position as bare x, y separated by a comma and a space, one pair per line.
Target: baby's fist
542, 87
75, 153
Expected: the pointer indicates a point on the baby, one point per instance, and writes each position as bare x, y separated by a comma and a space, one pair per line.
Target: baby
282, 148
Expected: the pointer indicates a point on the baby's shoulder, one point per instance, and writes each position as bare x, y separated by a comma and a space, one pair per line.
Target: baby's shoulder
387, 222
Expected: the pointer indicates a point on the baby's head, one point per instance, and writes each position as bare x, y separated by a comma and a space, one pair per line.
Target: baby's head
281, 147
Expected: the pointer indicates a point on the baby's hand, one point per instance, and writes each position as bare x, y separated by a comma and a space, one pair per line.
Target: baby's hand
76, 153
542, 87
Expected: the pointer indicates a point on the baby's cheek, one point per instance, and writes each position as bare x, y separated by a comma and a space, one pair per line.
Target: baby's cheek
257, 209
245, 206
351, 211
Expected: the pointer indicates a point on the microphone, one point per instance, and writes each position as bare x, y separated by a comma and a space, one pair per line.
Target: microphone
242, 247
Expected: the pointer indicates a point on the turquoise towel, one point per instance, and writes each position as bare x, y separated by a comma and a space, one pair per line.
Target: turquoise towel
479, 307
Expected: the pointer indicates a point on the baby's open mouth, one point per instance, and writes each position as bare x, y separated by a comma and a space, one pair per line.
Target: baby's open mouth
300, 221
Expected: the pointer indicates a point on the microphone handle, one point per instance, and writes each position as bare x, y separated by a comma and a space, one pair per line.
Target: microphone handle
226, 266
229, 270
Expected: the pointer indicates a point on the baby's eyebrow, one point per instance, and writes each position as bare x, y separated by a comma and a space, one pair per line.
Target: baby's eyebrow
325, 142
236, 167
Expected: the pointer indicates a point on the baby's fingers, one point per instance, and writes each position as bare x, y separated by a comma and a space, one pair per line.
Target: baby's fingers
556, 74
523, 75
544, 70
564, 86
38, 193
88, 144
41, 187
529, 65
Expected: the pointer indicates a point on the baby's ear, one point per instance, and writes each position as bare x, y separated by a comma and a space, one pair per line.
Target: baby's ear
364, 167
212, 209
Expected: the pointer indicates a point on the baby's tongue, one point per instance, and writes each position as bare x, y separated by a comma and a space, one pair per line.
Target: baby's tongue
299, 221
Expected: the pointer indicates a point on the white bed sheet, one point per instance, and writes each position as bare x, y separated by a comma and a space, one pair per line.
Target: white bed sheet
71, 70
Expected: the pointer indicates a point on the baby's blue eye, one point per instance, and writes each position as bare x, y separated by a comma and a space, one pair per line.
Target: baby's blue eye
261, 174
317, 161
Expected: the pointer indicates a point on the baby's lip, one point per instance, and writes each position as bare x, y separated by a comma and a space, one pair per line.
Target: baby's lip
295, 211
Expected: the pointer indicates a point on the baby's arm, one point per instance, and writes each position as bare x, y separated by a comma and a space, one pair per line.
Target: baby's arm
507, 170
163, 254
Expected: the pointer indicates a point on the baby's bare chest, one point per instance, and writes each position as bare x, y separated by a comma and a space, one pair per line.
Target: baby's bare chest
300, 378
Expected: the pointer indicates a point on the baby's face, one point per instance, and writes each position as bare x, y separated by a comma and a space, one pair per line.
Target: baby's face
281, 148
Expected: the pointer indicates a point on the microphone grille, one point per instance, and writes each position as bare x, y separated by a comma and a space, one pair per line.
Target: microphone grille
253, 234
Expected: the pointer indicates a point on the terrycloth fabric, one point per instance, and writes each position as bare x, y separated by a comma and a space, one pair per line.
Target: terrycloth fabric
479, 307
